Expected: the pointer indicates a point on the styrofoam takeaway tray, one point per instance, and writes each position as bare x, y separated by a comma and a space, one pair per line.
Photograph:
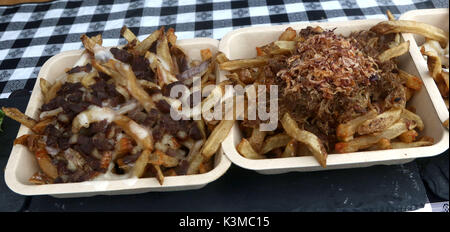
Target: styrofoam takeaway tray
241, 43
22, 164
438, 18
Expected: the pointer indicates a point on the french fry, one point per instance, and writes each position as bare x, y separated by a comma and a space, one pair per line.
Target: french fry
217, 136
408, 136
105, 160
411, 81
45, 163
346, 131
398, 145
165, 77
434, 63
141, 163
413, 117
383, 144
134, 88
260, 52
427, 138
124, 166
215, 96
314, 144
32, 141
390, 16
143, 46
163, 53
246, 150
40, 178
283, 47
195, 157
41, 125
235, 78
88, 79
366, 141
135, 131
75, 77
276, 141
206, 54
221, 58
159, 174
160, 158
97, 39
50, 113
393, 52
405, 26
123, 147
52, 92
290, 149
45, 86
257, 138
206, 166
18, 116
148, 84
201, 126
243, 63
445, 124
303, 150
288, 35
195, 163
88, 43
372, 42
109, 69
171, 37
22, 140
442, 52
409, 93
170, 172
126, 33
380, 122
220, 132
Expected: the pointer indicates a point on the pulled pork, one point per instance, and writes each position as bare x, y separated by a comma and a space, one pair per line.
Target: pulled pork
330, 79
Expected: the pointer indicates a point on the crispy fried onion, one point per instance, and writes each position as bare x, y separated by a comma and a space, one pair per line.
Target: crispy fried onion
330, 63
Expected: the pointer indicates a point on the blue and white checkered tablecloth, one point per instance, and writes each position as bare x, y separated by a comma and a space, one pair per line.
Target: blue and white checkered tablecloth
32, 33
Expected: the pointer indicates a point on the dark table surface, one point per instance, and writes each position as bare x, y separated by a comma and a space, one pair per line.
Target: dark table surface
32, 33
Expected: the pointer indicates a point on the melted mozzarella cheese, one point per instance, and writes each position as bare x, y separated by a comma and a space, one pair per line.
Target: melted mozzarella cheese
102, 54
92, 114
138, 130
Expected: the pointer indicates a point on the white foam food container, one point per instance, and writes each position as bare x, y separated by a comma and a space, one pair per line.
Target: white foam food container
438, 18
22, 164
241, 43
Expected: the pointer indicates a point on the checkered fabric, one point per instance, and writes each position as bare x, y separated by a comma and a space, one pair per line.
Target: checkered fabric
32, 33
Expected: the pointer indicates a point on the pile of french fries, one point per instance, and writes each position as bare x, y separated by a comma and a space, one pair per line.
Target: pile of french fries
391, 129
437, 61
435, 49
161, 50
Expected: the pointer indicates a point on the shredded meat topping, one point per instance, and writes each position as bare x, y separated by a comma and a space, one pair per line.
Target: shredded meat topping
330, 79
330, 64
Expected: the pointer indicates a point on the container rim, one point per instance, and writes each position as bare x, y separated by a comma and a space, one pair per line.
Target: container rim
98, 187
334, 161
